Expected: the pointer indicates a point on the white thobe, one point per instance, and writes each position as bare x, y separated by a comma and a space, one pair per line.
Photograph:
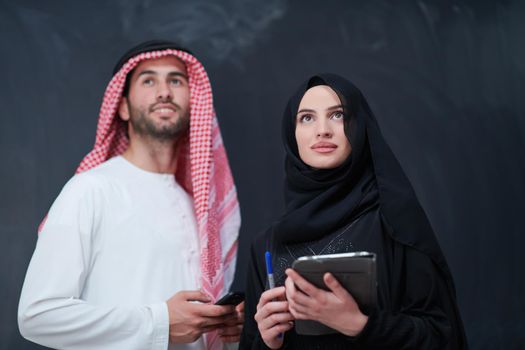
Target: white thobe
118, 242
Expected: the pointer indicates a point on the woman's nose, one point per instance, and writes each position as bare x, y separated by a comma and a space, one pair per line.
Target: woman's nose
323, 129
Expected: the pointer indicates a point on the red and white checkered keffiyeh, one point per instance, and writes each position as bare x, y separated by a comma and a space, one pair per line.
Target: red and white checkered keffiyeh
202, 170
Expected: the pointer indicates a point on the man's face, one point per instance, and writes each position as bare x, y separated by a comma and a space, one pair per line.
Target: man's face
158, 103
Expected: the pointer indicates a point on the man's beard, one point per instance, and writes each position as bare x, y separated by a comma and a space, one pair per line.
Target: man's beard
145, 126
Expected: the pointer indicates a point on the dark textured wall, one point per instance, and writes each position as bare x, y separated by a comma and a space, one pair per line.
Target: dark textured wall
444, 78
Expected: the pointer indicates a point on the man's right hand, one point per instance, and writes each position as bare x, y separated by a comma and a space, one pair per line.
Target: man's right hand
189, 320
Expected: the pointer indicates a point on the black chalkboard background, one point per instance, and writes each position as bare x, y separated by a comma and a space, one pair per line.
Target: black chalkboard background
446, 80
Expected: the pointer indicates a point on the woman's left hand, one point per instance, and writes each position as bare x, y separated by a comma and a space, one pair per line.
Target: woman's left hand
335, 308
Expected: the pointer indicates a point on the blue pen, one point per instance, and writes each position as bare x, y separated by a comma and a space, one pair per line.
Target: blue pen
269, 272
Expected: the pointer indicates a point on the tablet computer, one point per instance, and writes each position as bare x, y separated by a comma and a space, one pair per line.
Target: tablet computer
355, 271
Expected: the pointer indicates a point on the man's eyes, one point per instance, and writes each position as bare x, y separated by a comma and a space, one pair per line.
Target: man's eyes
175, 82
147, 82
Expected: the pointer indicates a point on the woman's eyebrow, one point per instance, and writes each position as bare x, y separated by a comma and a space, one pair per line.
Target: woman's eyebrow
334, 107
305, 110
313, 111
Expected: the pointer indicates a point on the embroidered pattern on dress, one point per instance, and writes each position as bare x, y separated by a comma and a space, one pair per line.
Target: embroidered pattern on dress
337, 242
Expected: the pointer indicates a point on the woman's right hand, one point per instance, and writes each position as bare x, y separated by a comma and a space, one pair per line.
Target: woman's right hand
273, 317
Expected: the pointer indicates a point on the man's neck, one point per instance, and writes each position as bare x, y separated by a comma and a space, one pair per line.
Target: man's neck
153, 155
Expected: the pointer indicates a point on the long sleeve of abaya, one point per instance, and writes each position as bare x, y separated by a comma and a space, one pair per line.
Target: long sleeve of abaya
255, 283
421, 316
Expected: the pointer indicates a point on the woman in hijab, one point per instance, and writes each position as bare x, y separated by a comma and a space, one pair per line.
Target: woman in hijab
345, 192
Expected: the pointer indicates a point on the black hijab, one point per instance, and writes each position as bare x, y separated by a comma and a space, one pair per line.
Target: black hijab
319, 201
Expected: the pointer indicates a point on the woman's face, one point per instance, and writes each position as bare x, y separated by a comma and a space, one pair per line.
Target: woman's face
319, 129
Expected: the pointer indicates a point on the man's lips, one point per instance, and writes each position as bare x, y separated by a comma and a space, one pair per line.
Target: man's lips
324, 147
161, 106
164, 109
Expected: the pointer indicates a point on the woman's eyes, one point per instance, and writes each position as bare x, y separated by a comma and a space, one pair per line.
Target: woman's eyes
337, 115
308, 118
305, 118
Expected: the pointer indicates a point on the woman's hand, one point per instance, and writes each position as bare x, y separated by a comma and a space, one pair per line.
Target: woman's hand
273, 317
335, 308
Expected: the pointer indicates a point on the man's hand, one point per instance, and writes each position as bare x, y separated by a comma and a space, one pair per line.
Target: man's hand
189, 320
231, 332
335, 308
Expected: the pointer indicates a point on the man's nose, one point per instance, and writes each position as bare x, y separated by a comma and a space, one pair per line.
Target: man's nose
164, 92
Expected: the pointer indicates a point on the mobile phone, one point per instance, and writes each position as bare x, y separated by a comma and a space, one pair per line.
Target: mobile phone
231, 298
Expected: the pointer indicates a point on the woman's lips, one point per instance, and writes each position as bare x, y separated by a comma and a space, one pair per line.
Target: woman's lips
324, 147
